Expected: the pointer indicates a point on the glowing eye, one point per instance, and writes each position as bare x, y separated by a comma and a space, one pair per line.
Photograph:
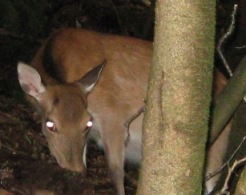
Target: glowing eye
89, 124
51, 126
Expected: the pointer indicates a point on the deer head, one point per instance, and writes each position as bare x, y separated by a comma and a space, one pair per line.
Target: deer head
65, 119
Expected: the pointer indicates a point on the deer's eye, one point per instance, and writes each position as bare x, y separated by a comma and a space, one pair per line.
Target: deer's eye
89, 124
50, 125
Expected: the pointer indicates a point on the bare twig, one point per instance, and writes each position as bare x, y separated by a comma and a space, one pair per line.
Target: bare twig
210, 175
241, 47
230, 171
225, 37
129, 121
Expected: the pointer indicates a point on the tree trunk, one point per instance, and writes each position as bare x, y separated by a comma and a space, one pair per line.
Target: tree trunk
233, 93
176, 119
241, 185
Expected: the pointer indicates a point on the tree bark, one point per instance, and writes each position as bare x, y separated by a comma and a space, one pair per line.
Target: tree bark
177, 112
241, 185
233, 93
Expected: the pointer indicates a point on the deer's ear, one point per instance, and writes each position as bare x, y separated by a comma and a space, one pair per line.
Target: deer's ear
30, 80
90, 79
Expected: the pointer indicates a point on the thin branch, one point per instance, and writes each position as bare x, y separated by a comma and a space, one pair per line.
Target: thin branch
225, 37
230, 171
129, 121
241, 47
210, 175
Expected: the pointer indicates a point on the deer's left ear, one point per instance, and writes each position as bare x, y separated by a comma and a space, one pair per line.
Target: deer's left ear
90, 79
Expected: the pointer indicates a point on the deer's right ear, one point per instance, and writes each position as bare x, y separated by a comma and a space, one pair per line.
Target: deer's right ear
30, 80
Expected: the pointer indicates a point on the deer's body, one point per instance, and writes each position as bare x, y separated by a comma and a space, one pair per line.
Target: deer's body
122, 86
119, 93
71, 93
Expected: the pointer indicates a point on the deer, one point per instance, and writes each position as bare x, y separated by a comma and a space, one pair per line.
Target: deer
85, 85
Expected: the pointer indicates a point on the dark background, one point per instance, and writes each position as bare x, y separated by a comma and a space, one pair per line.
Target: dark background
25, 163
